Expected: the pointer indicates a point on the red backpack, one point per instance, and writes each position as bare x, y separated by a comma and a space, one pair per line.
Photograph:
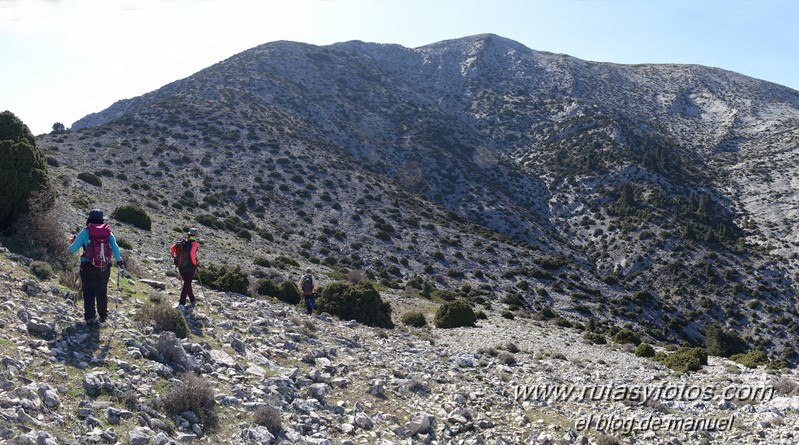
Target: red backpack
98, 252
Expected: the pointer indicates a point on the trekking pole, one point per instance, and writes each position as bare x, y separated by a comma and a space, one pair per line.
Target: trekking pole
75, 273
202, 291
116, 299
75, 278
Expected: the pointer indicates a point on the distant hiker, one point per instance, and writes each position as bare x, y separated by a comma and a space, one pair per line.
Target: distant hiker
184, 254
306, 285
99, 244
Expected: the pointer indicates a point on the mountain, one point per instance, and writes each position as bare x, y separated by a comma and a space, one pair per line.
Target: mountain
643, 196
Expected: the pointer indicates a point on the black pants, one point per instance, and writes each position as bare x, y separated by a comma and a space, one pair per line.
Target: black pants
95, 287
187, 291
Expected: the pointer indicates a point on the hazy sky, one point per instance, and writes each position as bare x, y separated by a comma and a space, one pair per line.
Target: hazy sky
64, 59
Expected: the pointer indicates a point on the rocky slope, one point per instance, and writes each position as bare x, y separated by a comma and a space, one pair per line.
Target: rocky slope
331, 381
626, 194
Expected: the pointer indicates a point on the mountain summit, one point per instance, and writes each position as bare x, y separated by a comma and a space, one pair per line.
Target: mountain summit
658, 197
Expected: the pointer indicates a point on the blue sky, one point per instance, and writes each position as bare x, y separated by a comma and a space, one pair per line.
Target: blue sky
64, 59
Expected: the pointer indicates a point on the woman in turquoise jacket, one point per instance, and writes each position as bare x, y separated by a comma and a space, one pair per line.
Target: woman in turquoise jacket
99, 245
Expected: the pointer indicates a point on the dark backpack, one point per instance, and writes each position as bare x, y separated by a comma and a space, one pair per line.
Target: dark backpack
182, 256
98, 251
307, 284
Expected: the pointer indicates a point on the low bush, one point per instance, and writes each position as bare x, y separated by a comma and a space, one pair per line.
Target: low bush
595, 338
360, 302
506, 358
414, 319
288, 292
193, 394
562, 322
786, 387
124, 243
90, 178
645, 350
684, 359
263, 262
722, 343
752, 359
551, 263
514, 300
453, 314
41, 270
269, 417
225, 278
286, 261
266, 287
39, 232
165, 317
626, 336
546, 313
133, 215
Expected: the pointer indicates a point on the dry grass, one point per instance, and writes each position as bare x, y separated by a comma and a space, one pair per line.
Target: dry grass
269, 417
192, 394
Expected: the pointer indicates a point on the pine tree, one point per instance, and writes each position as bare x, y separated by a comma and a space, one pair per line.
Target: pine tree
23, 168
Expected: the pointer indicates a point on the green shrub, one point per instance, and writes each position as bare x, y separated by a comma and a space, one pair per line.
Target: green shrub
514, 300
453, 314
595, 338
124, 244
133, 215
289, 292
722, 343
546, 313
165, 317
360, 302
225, 278
41, 270
415, 319
645, 350
507, 314
90, 178
626, 336
192, 394
551, 263
263, 262
266, 287
22, 166
752, 359
684, 359
287, 261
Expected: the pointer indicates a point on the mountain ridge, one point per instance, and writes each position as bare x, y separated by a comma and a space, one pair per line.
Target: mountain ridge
643, 178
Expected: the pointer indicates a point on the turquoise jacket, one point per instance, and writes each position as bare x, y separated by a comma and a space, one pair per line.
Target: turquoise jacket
82, 240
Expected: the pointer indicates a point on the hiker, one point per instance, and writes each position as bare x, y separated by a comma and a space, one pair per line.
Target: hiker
184, 254
306, 285
99, 244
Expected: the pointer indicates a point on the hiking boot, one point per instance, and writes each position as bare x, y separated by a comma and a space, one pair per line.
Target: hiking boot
92, 322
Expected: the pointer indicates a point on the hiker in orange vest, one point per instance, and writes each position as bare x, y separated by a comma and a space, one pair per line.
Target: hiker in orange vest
184, 254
